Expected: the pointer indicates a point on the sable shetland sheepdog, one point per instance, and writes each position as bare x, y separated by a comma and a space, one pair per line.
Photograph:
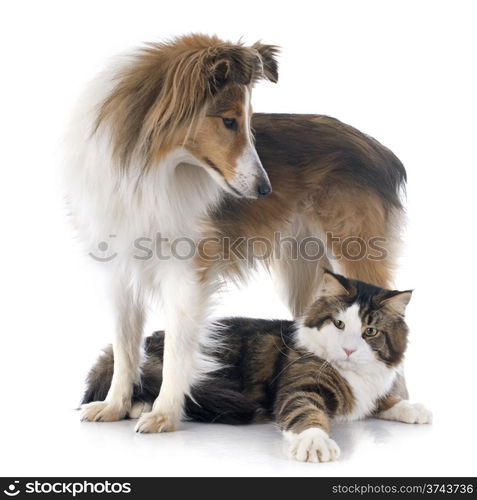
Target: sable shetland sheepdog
164, 142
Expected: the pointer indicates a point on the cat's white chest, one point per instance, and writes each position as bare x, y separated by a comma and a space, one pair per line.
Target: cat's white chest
367, 387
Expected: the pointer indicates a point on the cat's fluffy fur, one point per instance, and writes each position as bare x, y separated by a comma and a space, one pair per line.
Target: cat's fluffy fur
330, 365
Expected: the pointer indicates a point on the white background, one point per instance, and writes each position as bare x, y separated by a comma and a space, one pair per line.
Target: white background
401, 71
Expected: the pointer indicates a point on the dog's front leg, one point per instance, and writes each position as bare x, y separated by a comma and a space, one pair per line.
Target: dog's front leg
185, 305
129, 313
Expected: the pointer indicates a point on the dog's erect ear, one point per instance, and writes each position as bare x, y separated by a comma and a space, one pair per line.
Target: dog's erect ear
219, 74
244, 65
237, 65
268, 57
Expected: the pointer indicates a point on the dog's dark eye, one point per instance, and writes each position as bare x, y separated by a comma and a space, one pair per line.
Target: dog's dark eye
230, 123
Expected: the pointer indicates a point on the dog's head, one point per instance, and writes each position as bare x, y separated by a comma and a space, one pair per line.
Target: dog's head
194, 93
223, 141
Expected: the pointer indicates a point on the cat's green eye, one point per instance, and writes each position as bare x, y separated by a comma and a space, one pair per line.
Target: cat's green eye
371, 332
339, 324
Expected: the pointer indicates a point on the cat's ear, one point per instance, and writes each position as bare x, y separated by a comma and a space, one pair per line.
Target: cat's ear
397, 301
332, 285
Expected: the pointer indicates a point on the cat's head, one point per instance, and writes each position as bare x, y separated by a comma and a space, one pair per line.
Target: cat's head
354, 323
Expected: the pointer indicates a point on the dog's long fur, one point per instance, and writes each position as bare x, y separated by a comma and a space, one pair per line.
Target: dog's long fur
150, 152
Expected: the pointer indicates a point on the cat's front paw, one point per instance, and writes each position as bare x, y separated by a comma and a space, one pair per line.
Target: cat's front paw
407, 412
312, 445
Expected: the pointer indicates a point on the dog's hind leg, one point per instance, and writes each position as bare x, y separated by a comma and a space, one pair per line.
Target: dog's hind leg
364, 235
297, 268
186, 305
129, 308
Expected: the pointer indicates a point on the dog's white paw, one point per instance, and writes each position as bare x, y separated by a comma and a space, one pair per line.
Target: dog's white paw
156, 422
138, 409
312, 445
409, 413
102, 411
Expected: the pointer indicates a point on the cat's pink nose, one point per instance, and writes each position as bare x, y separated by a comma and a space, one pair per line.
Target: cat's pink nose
348, 351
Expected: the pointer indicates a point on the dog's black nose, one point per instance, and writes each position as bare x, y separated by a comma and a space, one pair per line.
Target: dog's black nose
264, 189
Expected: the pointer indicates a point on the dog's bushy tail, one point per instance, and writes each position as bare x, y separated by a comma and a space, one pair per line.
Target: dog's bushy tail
213, 400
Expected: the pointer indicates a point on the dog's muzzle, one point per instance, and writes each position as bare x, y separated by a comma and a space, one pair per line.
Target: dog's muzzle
264, 188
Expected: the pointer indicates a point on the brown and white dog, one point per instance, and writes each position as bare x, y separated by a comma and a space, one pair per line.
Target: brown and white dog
164, 142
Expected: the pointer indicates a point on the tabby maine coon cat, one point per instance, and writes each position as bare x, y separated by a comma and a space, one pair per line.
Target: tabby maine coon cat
338, 362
